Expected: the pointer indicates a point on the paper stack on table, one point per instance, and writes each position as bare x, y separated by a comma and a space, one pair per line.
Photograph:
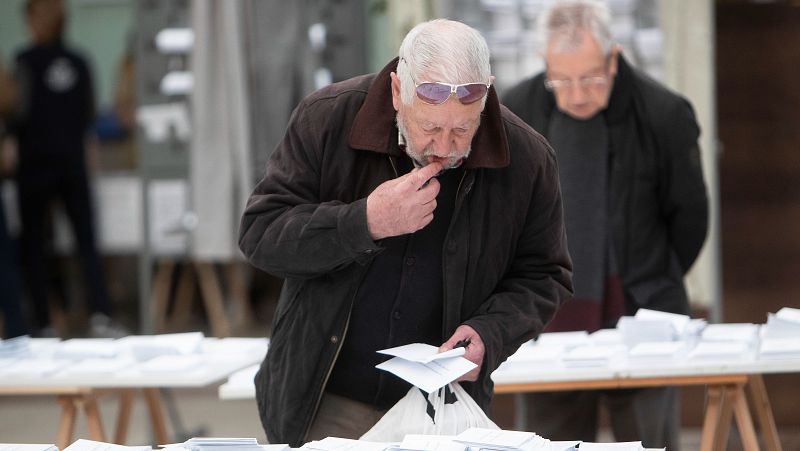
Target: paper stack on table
746, 332
27, 447
499, 439
223, 444
145, 347
779, 348
652, 351
593, 356
15, 347
720, 351
783, 324
424, 366
91, 445
343, 444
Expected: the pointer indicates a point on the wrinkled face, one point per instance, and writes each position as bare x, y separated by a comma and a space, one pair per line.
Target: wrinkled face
434, 133
581, 78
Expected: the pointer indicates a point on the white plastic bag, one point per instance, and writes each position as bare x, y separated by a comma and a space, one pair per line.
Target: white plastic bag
449, 410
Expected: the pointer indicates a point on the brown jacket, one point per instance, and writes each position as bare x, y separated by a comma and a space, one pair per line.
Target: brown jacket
505, 261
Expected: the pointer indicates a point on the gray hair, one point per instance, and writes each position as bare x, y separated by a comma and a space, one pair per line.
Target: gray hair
442, 50
561, 25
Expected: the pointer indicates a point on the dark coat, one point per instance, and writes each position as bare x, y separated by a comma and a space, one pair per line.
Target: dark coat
657, 204
505, 262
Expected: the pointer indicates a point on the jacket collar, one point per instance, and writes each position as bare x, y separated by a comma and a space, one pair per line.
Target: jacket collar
374, 126
620, 99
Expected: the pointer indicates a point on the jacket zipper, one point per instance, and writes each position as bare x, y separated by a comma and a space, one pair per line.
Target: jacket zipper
456, 210
343, 334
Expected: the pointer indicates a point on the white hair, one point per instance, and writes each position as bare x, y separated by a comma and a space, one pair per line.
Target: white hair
561, 26
445, 51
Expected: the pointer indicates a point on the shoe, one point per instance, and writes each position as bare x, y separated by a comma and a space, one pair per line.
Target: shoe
101, 326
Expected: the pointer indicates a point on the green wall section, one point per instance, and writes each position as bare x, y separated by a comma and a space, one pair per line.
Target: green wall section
98, 28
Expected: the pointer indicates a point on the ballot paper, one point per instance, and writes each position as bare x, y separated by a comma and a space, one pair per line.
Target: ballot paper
421, 352
145, 347
619, 446
779, 348
82, 348
719, 350
91, 445
27, 447
746, 332
428, 376
657, 350
423, 442
499, 439
343, 444
222, 444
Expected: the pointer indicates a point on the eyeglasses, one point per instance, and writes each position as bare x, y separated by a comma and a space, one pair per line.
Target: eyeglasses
583, 83
437, 92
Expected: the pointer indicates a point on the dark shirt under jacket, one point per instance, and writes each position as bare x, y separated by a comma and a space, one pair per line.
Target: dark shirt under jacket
399, 302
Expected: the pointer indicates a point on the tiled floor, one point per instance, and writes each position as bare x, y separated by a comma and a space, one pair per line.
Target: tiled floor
34, 419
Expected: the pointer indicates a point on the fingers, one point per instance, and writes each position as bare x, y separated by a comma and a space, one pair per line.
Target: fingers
419, 177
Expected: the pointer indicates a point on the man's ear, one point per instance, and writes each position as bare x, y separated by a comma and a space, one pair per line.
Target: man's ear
396, 100
613, 58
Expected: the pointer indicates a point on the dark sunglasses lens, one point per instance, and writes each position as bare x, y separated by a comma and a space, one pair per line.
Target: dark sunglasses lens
433, 93
471, 92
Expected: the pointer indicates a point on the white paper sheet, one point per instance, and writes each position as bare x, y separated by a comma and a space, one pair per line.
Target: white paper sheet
421, 352
430, 376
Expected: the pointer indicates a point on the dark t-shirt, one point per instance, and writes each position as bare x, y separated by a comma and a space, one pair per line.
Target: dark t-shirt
399, 302
57, 105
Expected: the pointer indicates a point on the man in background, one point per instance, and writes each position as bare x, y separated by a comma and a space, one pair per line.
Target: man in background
635, 206
14, 323
55, 111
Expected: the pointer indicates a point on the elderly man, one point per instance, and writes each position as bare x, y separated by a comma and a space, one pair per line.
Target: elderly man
404, 206
634, 199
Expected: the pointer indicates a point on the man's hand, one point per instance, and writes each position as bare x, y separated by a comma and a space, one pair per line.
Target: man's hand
403, 205
474, 349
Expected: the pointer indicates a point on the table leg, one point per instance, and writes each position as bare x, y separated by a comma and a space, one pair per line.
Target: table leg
93, 420
725, 417
763, 412
67, 423
744, 421
213, 299
123, 415
153, 398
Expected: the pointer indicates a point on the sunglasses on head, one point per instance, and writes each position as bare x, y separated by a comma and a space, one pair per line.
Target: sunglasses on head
437, 92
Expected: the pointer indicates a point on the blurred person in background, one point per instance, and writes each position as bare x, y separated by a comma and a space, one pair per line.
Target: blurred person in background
635, 206
55, 111
14, 323
401, 207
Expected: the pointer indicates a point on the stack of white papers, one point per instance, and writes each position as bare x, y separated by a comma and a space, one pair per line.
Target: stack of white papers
421, 442
657, 351
15, 347
424, 366
145, 347
635, 330
565, 339
529, 354
723, 350
82, 348
498, 439
592, 356
27, 447
97, 367
746, 332
344, 444
91, 445
779, 348
173, 364
218, 444
606, 337
34, 367
619, 446
784, 324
